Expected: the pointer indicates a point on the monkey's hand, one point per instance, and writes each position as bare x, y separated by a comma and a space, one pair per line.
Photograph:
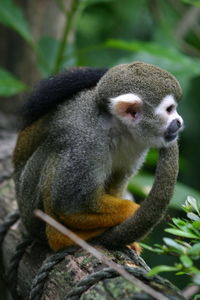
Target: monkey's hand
111, 211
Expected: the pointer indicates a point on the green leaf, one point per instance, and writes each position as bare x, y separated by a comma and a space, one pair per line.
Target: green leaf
180, 273
185, 244
155, 49
47, 50
192, 2
186, 261
163, 268
193, 216
179, 222
147, 247
9, 85
180, 194
196, 224
181, 233
193, 202
173, 244
195, 250
13, 17
182, 66
196, 271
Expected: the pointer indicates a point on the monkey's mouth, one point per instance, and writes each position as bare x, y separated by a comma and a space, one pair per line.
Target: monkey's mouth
170, 137
172, 131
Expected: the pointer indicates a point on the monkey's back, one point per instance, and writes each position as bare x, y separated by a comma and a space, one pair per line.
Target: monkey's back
71, 140
36, 139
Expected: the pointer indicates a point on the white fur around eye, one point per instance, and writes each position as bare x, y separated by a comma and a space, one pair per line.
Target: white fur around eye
165, 103
162, 112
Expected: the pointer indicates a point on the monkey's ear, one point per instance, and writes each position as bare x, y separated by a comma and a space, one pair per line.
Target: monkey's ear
126, 106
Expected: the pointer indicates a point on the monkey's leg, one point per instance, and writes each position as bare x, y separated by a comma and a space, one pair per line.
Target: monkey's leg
57, 240
111, 211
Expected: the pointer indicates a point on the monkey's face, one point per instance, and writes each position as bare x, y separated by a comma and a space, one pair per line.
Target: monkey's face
143, 98
152, 125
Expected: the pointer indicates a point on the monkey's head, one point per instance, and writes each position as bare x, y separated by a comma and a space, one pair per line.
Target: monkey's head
144, 98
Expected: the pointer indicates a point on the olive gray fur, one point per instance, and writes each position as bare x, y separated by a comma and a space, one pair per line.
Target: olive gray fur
84, 146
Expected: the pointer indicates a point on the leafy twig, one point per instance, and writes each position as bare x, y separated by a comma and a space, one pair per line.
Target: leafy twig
186, 244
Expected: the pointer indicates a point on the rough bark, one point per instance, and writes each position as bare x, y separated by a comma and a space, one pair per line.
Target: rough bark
75, 267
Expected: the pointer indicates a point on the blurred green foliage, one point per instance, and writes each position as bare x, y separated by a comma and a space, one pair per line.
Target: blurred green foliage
9, 85
185, 246
108, 32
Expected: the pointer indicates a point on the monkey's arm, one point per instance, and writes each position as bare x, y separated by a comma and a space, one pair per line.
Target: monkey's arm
153, 207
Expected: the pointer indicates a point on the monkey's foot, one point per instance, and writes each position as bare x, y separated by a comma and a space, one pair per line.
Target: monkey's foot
136, 247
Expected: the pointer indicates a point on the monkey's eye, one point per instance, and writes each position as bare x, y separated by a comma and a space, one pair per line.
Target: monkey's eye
170, 108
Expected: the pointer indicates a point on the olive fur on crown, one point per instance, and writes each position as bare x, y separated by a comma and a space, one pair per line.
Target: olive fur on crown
154, 82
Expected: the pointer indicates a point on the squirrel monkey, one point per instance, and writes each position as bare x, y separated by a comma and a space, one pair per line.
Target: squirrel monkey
85, 132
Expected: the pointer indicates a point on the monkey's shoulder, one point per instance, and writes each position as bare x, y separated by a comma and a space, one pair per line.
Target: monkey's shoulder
79, 121
56, 89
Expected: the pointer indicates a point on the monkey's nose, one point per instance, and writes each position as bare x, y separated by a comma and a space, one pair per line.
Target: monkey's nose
172, 130
174, 126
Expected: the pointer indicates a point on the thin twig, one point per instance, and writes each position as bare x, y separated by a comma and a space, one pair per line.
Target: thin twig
98, 255
188, 21
190, 291
70, 15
